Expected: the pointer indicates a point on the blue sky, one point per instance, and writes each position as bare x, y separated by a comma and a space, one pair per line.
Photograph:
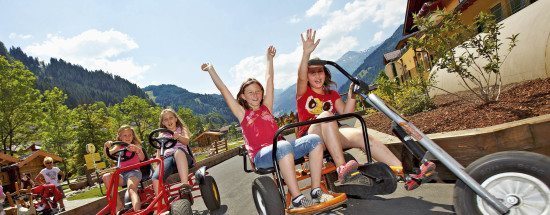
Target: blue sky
164, 42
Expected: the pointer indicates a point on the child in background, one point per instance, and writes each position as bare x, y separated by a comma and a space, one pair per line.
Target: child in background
131, 178
50, 176
179, 158
253, 110
315, 99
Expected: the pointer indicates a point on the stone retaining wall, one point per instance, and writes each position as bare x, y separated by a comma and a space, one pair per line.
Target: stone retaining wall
466, 146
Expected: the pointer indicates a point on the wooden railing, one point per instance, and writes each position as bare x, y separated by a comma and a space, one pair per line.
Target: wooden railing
218, 147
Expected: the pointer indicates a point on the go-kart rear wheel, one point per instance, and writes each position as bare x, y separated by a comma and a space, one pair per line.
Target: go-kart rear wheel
210, 193
517, 178
266, 196
181, 207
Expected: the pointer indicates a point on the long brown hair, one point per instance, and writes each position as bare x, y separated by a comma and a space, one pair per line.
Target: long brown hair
245, 84
328, 77
135, 138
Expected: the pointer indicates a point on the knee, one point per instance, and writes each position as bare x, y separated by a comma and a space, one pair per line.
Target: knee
325, 114
284, 148
106, 177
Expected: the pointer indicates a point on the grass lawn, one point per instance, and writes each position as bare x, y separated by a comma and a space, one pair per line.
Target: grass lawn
92, 193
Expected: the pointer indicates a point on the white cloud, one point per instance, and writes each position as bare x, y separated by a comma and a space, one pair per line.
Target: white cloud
320, 7
19, 36
294, 19
377, 37
94, 50
334, 35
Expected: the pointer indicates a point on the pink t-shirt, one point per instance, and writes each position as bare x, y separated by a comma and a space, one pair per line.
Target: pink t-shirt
171, 151
132, 161
258, 127
311, 104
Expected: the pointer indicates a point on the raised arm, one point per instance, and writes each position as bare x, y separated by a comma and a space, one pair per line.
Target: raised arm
308, 44
268, 98
234, 106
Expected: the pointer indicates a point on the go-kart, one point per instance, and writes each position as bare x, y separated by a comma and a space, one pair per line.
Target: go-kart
269, 192
42, 200
175, 198
510, 182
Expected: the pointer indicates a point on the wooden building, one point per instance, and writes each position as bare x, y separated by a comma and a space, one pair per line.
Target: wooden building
7, 163
207, 138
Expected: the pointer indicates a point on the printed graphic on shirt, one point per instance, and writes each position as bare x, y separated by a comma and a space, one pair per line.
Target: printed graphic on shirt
264, 115
315, 106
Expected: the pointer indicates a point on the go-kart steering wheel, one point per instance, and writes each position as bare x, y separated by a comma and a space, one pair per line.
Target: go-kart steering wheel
158, 142
123, 156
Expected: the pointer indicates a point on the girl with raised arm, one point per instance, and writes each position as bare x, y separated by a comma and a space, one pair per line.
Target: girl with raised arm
315, 99
253, 107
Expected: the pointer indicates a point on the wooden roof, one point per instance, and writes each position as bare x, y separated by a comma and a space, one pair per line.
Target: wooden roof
36, 154
6, 159
208, 133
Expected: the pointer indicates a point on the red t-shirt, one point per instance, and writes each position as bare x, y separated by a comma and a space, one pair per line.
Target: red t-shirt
258, 127
311, 104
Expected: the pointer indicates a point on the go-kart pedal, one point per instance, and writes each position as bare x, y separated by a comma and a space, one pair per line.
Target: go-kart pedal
369, 179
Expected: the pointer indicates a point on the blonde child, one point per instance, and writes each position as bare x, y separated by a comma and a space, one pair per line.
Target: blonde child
49, 175
131, 178
179, 157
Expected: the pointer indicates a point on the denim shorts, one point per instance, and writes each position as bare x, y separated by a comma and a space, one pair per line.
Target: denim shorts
300, 148
126, 175
170, 165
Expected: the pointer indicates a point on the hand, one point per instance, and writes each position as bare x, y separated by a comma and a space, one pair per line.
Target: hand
108, 144
134, 148
207, 67
309, 44
351, 93
271, 51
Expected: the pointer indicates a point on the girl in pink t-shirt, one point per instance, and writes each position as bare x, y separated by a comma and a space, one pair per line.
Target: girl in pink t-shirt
131, 177
253, 110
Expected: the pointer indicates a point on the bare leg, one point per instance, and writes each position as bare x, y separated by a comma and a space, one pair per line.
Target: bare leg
182, 165
132, 189
289, 174
353, 138
329, 132
315, 165
107, 180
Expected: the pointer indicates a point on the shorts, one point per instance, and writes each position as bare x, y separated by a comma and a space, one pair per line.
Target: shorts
170, 165
299, 147
130, 173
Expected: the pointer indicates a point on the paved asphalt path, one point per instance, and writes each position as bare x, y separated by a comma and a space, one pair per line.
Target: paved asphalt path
235, 188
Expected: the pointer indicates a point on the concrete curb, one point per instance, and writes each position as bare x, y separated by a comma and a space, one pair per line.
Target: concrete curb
466, 146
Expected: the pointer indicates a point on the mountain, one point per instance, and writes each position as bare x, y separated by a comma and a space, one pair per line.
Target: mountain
374, 63
285, 101
202, 104
350, 61
82, 86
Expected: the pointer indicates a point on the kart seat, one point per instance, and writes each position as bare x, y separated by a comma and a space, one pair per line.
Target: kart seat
261, 171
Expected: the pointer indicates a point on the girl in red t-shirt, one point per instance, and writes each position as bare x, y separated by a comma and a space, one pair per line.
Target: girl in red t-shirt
253, 110
315, 99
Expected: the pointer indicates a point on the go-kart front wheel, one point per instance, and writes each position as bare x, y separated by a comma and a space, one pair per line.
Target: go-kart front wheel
266, 196
517, 178
210, 193
181, 207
